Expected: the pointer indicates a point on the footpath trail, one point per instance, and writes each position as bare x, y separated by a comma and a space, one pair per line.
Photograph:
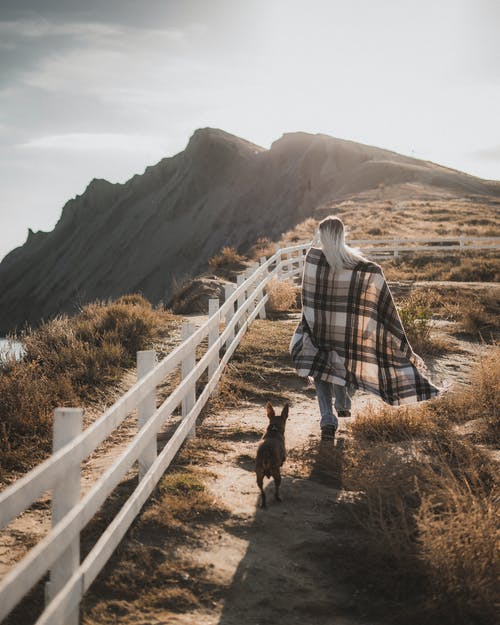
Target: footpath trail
278, 564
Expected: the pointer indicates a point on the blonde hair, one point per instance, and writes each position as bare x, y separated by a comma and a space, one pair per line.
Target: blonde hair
338, 254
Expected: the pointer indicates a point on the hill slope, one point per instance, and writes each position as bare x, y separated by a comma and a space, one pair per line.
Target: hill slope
221, 190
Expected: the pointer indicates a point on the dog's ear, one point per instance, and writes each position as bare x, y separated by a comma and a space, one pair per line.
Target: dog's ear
270, 410
284, 412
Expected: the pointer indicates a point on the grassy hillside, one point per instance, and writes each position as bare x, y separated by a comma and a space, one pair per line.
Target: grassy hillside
70, 361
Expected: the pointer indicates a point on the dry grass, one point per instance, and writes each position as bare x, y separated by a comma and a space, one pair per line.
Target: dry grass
181, 496
459, 549
430, 500
302, 233
425, 498
147, 575
484, 402
227, 263
260, 368
65, 360
387, 218
480, 318
392, 425
282, 295
408, 494
476, 312
468, 267
263, 247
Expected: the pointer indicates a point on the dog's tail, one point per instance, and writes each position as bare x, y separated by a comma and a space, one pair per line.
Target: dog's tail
266, 458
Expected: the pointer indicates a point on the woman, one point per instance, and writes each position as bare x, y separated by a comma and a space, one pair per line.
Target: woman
350, 335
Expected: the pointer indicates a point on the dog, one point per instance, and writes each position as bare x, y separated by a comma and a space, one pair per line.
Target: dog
271, 452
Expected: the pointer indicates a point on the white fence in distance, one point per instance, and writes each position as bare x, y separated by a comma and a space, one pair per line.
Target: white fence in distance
395, 246
58, 552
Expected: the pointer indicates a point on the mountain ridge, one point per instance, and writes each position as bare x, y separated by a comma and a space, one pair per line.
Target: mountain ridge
165, 224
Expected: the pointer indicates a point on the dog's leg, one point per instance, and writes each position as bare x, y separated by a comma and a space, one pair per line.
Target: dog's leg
260, 482
277, 482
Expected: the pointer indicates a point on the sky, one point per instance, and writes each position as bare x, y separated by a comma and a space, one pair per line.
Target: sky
104, 88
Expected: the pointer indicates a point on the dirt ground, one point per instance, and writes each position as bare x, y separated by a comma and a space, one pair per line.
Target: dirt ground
286, 563
274, 563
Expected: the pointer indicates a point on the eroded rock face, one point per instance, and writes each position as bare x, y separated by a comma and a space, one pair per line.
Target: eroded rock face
161, 226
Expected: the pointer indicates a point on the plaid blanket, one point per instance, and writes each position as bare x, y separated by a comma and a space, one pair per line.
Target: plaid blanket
351, 332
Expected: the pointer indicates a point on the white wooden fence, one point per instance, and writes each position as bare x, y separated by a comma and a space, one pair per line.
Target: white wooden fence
58, 552
395, 246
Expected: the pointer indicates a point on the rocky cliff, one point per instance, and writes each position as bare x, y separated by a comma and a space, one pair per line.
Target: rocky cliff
166, 223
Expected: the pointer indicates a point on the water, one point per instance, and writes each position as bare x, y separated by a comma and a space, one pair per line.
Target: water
10, 348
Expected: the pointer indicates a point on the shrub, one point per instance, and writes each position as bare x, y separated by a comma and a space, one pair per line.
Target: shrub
303, 231
64, 361
416, 320
227, 261
282, 295
263, 247
430, 500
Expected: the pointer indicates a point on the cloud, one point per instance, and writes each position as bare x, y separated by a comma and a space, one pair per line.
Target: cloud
40, 27
36, 28
78, 142
127, 12
488, 154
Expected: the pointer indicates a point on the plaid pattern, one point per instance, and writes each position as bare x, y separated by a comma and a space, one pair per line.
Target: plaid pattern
351, 332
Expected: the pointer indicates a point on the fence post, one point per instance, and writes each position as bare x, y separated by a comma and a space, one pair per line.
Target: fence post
213, 335
250, 272
240, 278
66, 494
187, 366
396, 251
285, 268
146, 362
229, 289
262, 313
278, 272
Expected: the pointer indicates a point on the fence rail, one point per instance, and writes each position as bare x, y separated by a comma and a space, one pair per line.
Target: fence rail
58, 552
394, 246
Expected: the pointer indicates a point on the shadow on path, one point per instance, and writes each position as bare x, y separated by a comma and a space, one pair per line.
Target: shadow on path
290, 572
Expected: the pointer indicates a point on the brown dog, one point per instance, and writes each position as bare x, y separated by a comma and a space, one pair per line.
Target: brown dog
271, 453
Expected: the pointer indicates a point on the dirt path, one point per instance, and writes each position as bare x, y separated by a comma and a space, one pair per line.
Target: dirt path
271, 564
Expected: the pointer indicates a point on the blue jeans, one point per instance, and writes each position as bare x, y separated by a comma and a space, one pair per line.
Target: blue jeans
326, 391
